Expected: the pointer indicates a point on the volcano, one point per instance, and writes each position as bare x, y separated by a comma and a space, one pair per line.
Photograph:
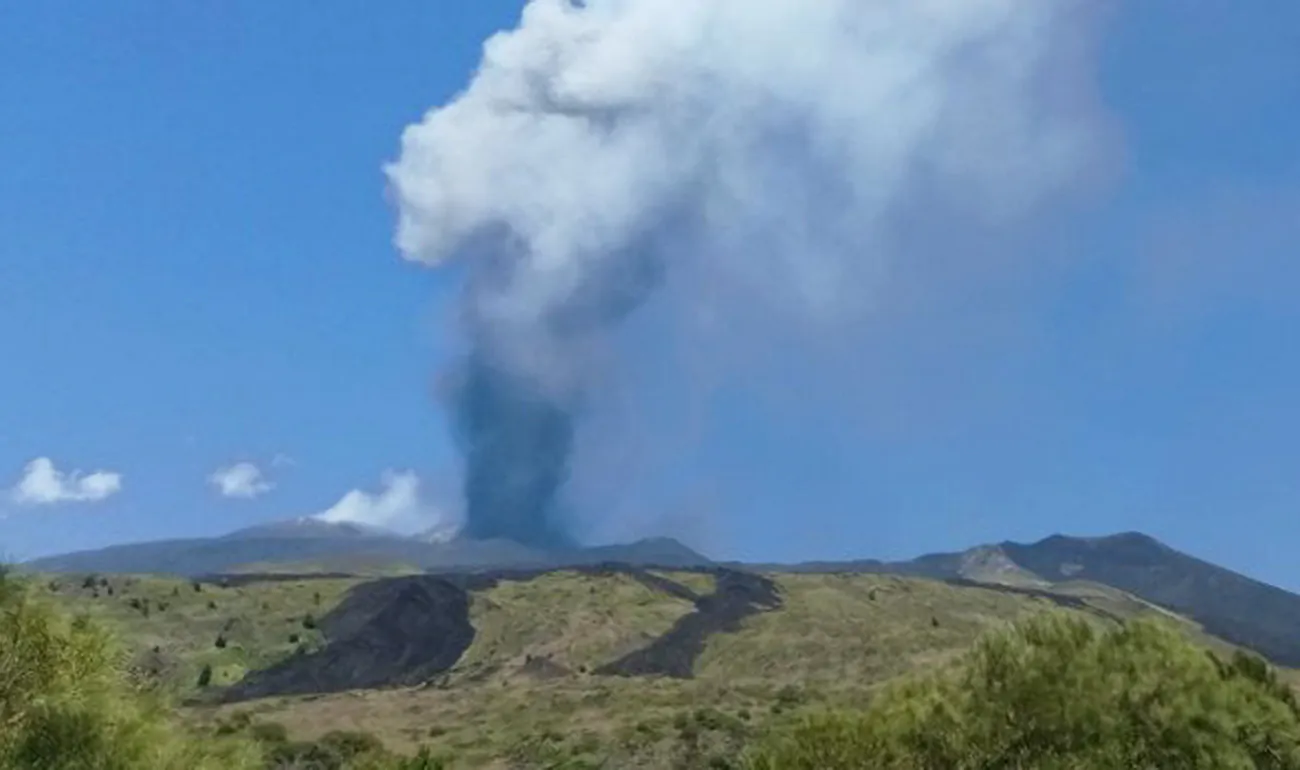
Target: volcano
308, 544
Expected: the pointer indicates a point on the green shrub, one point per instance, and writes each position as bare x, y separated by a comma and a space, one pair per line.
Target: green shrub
1057, 693
272, 733
237, 722
425, 760
66, 702
1255, 669
304, 756
337, 750
351, 744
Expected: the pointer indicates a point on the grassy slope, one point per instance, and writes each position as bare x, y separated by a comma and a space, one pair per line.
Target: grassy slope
174, 628
573, 620
835, 630
362, 566
702, 583
834, 639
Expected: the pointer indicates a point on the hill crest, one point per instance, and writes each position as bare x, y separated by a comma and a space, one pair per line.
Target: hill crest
307, 540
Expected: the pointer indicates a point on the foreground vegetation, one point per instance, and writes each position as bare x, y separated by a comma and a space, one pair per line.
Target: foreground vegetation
69, 701
64, 702
1056, 690
1057, 693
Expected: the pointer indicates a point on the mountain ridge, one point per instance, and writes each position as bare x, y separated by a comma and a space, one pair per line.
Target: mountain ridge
1227, 604
308, 539
1235, 607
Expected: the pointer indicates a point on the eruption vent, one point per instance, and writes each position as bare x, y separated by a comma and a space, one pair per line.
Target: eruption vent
753, 154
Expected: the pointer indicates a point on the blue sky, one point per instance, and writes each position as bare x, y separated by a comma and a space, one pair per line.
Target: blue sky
197, 269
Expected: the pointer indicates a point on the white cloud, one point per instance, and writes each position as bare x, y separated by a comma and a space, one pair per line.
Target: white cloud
397, 506
244, 480
43, 484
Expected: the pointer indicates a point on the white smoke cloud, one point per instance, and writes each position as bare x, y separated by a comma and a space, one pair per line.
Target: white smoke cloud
585, 125
242, 480
782, 162
398, 506
43, 484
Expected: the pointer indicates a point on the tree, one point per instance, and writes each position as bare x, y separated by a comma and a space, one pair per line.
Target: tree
1058, 693
66, 702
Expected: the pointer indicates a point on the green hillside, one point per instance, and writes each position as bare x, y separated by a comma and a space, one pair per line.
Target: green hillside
547, 669
175, 628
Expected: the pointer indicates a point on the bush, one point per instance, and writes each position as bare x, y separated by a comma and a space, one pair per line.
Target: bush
337, 750
66, 702
352, 744
421, 761
304, 756
1057, 693
424, 760
269, 732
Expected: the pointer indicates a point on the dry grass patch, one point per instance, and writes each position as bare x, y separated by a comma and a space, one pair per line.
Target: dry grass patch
630, 722
577, 620
702, 583
851, 630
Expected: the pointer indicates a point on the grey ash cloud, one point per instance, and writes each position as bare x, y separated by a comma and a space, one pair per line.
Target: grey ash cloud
754, 161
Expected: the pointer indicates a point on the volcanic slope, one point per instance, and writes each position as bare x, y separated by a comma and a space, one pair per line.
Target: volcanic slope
1230, 605
177, 628
610, 662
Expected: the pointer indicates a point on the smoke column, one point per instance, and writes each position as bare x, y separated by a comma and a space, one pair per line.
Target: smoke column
749, 157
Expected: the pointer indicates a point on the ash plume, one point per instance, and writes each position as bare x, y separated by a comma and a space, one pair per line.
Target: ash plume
724, 159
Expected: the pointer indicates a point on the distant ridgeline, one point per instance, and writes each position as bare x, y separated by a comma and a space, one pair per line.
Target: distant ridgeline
1226, 604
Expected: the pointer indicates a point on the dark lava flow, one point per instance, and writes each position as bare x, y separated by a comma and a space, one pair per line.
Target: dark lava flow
405, 631
388, 633
738, 595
